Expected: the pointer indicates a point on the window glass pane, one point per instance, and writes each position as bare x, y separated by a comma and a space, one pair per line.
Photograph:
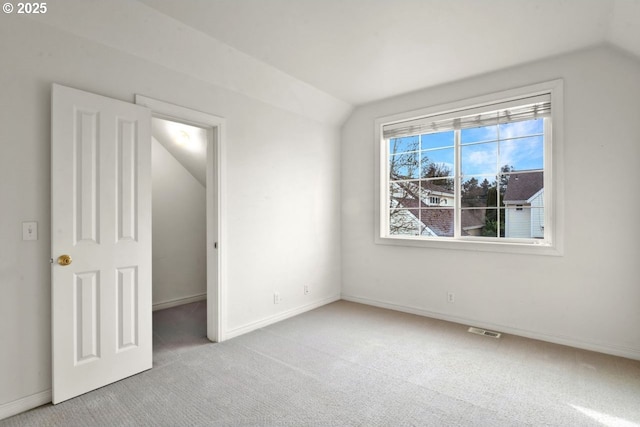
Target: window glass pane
437, 140
437, 222
437, 163
437, 192
403, 145
479, 191
404, 166
474, 221
522, 188
479, 159
397, 190
404, 194
493, 225
479, 134
404, 222
523, 128
445, 185
523, 153
524, 222
537, 223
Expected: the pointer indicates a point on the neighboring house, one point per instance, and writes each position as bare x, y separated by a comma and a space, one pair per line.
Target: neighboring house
523, 200
415, 202
416, 215
473, 221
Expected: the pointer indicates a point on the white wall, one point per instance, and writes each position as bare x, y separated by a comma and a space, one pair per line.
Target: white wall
282, 202
179, 230
590, 296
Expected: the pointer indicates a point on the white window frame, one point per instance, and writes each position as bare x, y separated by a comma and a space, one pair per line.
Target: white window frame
553, 197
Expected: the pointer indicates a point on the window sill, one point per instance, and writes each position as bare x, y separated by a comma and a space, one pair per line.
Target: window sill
473, 245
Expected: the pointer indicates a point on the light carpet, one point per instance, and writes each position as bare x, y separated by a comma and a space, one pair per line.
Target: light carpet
347, 364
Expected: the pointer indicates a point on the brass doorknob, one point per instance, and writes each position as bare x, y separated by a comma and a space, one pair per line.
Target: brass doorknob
64, 260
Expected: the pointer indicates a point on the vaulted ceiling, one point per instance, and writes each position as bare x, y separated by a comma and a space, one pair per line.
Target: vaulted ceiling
321, 58
363, 50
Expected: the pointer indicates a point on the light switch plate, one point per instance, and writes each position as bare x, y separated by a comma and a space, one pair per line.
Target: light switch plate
30, 230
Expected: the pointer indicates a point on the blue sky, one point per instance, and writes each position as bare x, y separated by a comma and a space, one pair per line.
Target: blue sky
479, 151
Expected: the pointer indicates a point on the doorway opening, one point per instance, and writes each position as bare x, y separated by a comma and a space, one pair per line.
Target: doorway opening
179, 231
190, 142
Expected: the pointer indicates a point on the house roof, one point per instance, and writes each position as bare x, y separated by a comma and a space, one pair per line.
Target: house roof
472, 218
440, 221
430, 185
521, 186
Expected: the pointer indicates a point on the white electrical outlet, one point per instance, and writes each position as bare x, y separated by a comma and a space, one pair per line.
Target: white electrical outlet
306, 289
451, 297
276, 298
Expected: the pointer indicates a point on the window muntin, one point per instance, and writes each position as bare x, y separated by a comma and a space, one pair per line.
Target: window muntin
467, 163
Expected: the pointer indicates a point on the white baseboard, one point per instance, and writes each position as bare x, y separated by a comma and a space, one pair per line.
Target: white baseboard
621, 351
179, 301
21, 405
278, 317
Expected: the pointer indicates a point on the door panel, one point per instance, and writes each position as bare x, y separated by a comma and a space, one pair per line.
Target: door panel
127, 308
87, 300
101, 217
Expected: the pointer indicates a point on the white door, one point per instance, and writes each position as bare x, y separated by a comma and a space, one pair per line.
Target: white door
101, 219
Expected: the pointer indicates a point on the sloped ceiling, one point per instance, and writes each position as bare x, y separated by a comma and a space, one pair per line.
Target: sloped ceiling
364, 50
187, 144
624, 28
320, 58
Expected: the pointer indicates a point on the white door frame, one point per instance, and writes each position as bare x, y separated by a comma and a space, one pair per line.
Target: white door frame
215, 191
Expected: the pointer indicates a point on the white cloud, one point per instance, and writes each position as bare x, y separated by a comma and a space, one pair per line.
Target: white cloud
524, 152
479, 159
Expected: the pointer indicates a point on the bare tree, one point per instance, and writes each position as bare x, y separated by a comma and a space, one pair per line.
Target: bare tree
412, 176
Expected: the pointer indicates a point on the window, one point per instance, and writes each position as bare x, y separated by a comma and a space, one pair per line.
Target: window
479, 173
